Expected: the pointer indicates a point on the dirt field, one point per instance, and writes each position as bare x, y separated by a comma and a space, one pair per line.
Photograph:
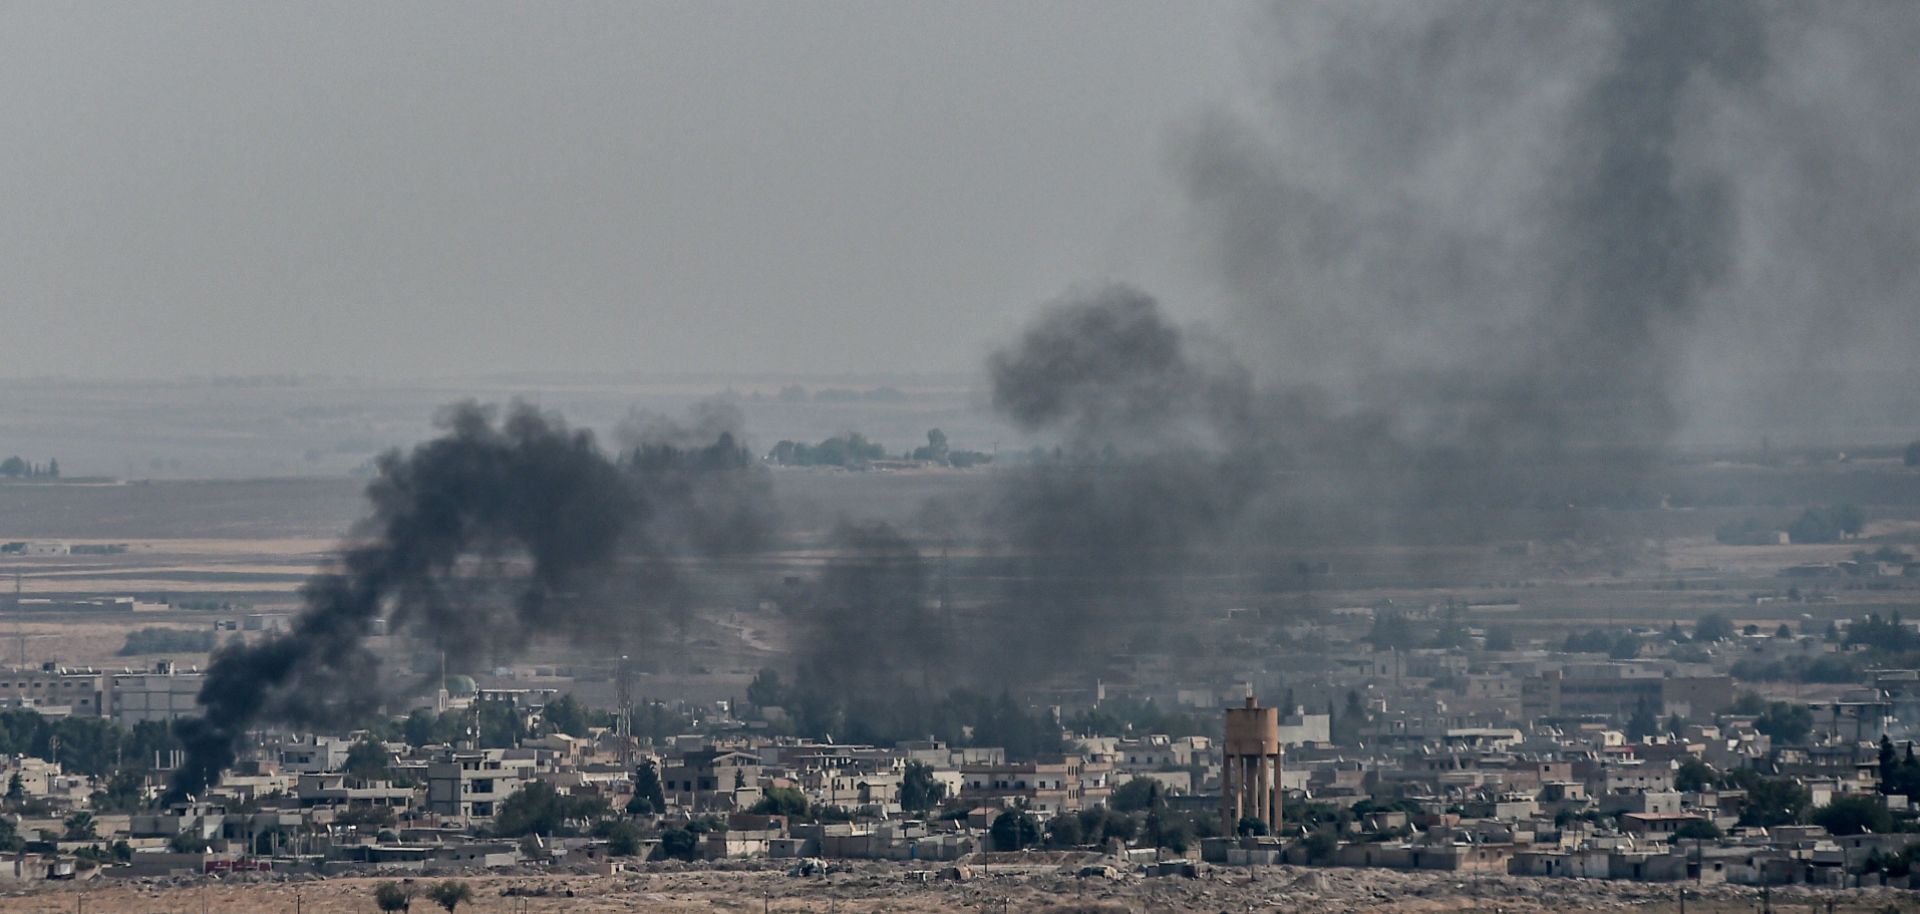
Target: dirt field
875, 888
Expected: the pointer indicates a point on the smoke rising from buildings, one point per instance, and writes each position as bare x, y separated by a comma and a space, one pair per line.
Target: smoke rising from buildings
479, 541
1524, 231
1482, 256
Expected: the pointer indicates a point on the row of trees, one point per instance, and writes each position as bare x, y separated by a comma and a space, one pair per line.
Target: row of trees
85, 745
1814, 525
16, 468
851, 449
158, 640
394, 896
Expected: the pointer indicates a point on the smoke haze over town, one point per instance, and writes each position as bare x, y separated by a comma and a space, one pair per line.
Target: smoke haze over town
553, 446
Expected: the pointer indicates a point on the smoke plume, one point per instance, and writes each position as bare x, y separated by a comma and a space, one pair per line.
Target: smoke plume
1522, 234
479, 541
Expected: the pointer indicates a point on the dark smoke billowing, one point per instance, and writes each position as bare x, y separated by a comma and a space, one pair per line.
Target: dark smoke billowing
1523, 232
480, 541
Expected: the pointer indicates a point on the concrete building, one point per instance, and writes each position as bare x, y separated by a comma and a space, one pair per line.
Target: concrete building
50, 686
163, 694
471, 784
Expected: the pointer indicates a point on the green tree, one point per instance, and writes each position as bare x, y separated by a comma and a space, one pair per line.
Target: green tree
1065, 831
919, 792
622, 837
679, 844
79, 827
566, 715
646, 785
13, 467
1013, 830
187, 842
391, 897
1138, 794
1499, 638
1913, 454
1251, 825
766, 690
1785, 723
1712, 627
935, 449
1320, 844
1644, 722
539, 808
1854, 815
782, 801
1693, 775
450, 894
368, 759
1770, 801
1698, 829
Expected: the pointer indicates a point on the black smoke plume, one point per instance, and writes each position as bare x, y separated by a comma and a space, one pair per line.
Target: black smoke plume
1542, 241
479, 541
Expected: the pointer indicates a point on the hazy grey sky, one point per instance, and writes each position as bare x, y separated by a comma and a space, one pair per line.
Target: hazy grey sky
429, 189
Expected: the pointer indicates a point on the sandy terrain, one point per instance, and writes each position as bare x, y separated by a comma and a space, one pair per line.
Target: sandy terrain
874, 888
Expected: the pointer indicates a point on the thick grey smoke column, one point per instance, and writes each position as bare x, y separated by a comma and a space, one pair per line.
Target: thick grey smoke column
481, 540
1503, 226
1160, 456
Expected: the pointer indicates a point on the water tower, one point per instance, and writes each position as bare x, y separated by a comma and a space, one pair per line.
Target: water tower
1250, 773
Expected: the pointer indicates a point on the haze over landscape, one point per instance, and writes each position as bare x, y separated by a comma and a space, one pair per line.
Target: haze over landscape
549, 448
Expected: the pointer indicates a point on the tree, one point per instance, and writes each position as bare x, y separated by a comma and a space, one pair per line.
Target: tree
622, 837
1712, 627
1138, 794
368, 759
1013, 830
539, 808
646, 785
781, 801
1499, 638
450, 894
1784, 631
1913, 454
392, 896
766, 690
1644, 721
1770, 801
79, 827
1693, 775
13, 467
919, 792
1785, 723
16, 788
1321, 844
187, 842
935, 449
1065, 831
1854, 815
1827, 525
1698, 829
1251, 825
565, 715
1625, 646
679, 844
